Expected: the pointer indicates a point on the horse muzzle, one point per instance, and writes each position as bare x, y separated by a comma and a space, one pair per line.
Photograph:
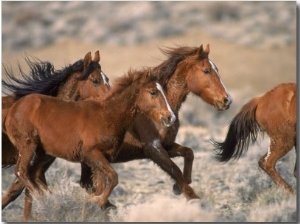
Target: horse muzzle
224, 104
168, 121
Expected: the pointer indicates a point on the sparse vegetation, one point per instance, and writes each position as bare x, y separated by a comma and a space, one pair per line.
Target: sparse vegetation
234, 192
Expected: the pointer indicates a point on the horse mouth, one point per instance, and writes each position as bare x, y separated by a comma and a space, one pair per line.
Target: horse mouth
166, 123
221, 106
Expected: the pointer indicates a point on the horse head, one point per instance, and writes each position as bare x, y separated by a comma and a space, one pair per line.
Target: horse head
152, 100
94, 83
204, 80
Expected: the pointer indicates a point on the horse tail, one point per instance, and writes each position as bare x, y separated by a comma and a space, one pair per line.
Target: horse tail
242, 129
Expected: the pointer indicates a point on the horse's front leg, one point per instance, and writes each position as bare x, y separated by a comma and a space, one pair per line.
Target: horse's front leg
104, 177
13, 192
159, 155
175, 150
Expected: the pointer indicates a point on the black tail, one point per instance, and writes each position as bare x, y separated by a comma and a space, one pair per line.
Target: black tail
42, 79
242, 129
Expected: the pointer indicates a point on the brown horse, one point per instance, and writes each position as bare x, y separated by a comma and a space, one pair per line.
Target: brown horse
89, 131
273, 113
81, 80
78, 81
187, 69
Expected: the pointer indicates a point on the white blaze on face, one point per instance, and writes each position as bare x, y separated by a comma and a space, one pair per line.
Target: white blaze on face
216, 70
173, 117
105, 80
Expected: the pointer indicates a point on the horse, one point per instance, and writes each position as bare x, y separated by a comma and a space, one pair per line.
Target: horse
78, 81
273, 113
89, 131
187, 69
74, 82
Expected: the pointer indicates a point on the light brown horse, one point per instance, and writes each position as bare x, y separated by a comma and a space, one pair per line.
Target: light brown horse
78, 81
89, 131
273, 113
187, 69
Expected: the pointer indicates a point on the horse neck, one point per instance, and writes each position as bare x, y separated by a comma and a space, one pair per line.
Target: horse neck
69, 90
122, 107
176, 89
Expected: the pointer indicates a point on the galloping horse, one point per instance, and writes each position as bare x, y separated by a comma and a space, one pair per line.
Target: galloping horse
78, 81
187, 69
273, 113
89, 131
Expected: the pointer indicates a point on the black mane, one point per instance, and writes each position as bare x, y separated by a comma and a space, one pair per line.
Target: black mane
43, 78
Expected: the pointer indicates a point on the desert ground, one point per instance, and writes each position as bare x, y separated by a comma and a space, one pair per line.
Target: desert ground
250, 60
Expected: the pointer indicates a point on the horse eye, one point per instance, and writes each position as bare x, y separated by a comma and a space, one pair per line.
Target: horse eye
95, 81
206, 71
153, 93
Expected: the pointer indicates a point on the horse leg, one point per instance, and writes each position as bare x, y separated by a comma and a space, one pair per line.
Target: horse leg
159, 155
27, 206
104, 177
86, 180
27, 148
13, 192
277, 150
39, 168
188, 155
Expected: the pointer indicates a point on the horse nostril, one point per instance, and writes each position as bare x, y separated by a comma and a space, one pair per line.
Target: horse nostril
227, 101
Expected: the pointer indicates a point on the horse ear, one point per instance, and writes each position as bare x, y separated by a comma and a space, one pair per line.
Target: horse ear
207, 49
200, 50
96, 57
87, 59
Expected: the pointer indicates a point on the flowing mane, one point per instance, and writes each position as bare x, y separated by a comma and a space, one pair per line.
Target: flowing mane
175, 55
130, 79
43, 78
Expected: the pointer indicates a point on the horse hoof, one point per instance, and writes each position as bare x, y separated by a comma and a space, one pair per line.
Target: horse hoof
176, 190
108, 206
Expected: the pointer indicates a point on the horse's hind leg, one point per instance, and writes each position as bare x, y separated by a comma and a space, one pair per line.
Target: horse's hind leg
105, 177
188, 155
38, 169
276, 151
27, 145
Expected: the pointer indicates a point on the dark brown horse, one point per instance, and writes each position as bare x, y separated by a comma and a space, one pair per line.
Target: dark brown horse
89, 131
273, 113
78, 81
187, 69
